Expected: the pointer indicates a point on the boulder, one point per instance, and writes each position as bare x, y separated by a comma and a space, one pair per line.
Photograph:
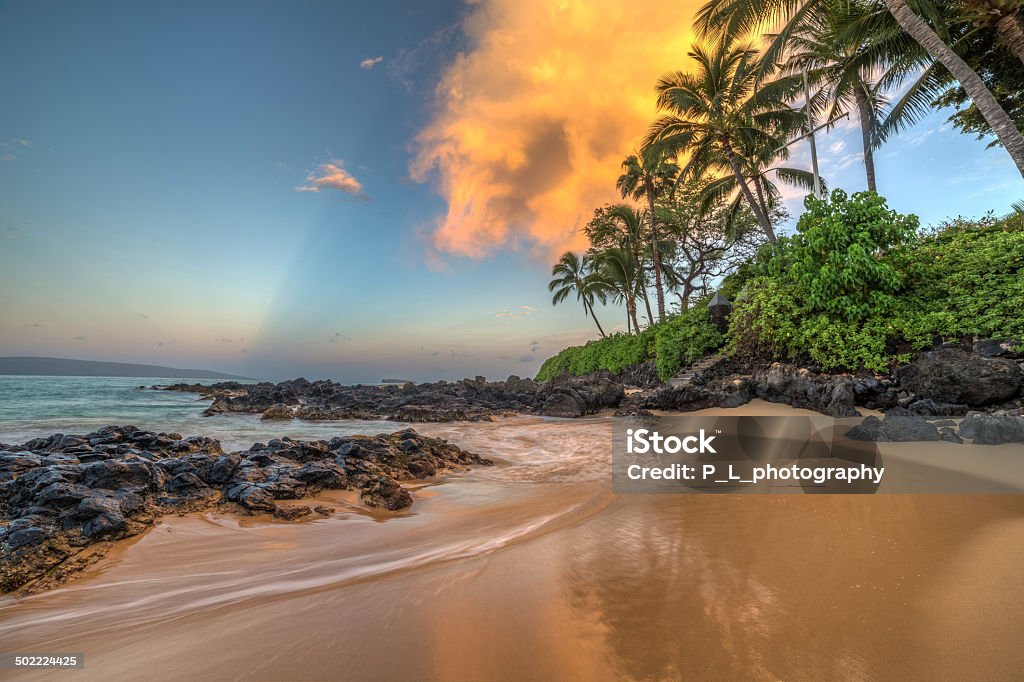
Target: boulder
291, 513
989, 429
278, 412
952, 375
800, 387
905, 429
386, 493
895, 429
564, 403
994, 348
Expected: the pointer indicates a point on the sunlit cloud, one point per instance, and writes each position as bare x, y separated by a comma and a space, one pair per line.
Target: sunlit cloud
536, 116
332, 175
370, 62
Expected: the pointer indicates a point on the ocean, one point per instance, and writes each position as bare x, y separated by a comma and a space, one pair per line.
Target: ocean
34, 406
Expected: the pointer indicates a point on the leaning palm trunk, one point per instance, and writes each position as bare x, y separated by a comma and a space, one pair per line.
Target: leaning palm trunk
1011, 30
656, 257
990, 109
762, 218
864, 111
594, 315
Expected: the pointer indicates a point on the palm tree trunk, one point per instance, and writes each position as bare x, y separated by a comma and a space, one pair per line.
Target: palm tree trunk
994, 114
655, 257
1011, 30
647, 300
864, 110
647, 304
762, 219
631, 311
590, 307
759, 186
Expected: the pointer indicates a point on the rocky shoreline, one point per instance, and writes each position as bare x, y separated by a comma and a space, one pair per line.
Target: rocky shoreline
442, 401
949, 380
64, 498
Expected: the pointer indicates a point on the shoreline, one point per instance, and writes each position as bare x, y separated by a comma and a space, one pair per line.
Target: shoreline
187, 481
495, 569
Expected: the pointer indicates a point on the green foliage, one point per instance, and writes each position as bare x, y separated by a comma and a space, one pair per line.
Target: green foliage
963, 279
612, 353
839, 255
684, 339
678, 341
765, 319
974, 274
854, 289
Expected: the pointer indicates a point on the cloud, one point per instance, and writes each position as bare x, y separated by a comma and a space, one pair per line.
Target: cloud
339, 338
78, 338
9, 157
534, 118
332, 175
527, 309
33, 324
534, 346
13, 233
370, 62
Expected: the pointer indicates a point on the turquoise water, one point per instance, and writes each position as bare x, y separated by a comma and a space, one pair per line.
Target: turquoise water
32, 406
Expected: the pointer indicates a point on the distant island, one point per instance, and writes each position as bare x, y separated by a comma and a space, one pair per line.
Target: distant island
90, 368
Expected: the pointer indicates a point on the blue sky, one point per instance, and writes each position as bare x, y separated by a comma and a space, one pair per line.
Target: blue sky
152, 157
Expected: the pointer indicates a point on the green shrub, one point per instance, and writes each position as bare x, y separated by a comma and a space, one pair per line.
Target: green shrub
839, 254
678, 341
765, 319
975, 276
685, 338
853, 289
611, 353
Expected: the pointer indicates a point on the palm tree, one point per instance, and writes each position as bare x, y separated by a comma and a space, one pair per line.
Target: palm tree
851, 68
630, 224
573, 275
1000, 122
646, 175
726, 117
617, 271
733, 18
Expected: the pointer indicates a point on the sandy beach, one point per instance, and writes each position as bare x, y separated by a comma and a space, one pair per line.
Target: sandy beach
535, 570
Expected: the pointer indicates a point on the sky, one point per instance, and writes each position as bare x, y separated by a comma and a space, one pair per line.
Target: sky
348, 190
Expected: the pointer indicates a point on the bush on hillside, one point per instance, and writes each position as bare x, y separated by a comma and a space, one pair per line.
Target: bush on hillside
840, 255
684, 339
854, 289
611, 353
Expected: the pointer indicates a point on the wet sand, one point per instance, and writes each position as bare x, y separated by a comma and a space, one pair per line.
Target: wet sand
535, 570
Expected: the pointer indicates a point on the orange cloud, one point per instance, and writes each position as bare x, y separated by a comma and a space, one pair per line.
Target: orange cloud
332, 176
535, 118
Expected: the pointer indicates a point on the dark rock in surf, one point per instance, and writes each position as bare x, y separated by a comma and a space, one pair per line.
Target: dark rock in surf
55, 504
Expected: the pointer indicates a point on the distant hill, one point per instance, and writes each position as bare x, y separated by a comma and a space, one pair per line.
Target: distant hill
63, 367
